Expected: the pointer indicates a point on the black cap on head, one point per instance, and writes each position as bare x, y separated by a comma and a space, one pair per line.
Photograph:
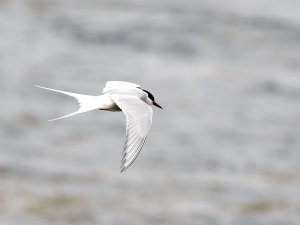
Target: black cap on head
152, 98
149, 95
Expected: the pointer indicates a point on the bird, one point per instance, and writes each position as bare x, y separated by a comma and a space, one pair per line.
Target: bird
129, 98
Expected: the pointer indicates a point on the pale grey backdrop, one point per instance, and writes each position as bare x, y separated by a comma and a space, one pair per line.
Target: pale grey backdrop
225, 149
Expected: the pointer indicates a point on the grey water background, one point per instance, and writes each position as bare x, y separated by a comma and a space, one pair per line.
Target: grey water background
225, 148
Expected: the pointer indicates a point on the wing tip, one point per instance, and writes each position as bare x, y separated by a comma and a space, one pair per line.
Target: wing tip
123, 168
127, 163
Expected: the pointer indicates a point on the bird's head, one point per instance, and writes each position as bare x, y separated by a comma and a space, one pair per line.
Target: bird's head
151, 99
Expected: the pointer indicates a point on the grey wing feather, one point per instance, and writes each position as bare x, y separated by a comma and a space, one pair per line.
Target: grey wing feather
138, 122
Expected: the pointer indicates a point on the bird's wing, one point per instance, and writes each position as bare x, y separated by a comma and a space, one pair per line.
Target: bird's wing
138, 122
116, 85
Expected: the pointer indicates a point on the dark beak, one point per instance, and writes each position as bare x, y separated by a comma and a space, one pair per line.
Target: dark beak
154, 103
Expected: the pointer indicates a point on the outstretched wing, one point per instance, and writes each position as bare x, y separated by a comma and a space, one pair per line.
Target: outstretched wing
117, 85
138, 122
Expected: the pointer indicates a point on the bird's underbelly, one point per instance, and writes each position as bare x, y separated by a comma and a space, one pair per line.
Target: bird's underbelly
106, 103
113, 108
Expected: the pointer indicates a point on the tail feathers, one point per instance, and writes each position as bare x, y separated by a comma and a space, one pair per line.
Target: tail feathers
86, 102
72, 114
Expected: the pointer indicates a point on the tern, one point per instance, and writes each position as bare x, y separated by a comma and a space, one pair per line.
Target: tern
135, 103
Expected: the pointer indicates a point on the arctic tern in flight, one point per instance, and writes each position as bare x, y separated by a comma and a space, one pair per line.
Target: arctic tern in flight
135, 104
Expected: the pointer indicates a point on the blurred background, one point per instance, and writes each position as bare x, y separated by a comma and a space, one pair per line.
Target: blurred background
225, 148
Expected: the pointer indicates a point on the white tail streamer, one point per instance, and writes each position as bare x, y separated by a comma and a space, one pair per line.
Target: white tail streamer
86, 102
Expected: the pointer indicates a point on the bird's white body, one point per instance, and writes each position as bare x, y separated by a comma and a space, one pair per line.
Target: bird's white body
133, 101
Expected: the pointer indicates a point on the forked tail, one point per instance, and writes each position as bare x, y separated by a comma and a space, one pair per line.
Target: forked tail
86, 102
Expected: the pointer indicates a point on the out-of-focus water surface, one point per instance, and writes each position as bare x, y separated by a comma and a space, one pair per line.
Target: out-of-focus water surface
225, 149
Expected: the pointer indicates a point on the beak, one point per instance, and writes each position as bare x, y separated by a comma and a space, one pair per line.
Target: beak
157, 105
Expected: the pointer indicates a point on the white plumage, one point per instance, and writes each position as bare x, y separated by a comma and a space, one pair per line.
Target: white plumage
133, 101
